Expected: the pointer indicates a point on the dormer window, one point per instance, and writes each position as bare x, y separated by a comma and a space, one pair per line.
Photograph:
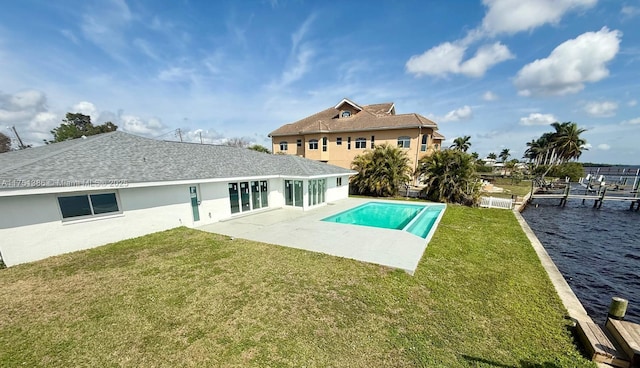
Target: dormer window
345, 114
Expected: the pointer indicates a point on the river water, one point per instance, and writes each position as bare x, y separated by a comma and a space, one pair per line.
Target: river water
597, 250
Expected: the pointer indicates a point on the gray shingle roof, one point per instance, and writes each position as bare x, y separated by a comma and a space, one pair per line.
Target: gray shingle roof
118, 155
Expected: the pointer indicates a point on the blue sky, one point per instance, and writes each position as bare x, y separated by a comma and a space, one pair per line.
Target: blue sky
499, 71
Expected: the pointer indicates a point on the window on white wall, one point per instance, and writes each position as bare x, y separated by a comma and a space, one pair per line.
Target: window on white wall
88, 205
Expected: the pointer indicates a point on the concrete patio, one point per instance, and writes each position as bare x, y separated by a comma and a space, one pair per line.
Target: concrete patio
291, 227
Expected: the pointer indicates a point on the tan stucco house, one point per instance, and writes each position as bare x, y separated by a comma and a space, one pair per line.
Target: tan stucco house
340, 133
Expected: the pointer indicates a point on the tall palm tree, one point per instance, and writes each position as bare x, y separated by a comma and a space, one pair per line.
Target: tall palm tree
450, 176
461, 143
567, 140
381, 171
554, 148
492, 156
504, 155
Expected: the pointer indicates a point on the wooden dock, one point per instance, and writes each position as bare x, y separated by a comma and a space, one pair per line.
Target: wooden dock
598, 196
616, 344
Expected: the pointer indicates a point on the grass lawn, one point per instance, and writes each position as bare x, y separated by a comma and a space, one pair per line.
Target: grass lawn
520, 189
479, 298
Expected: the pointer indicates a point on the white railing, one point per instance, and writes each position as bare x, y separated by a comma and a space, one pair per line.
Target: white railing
493, 202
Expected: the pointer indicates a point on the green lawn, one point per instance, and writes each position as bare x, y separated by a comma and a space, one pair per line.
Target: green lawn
520, 189
479, 298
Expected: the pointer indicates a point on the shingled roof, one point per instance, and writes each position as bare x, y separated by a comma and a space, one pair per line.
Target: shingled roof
372, 117
134, 159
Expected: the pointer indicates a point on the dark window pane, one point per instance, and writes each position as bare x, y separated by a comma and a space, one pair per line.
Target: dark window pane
74, 206
104, 203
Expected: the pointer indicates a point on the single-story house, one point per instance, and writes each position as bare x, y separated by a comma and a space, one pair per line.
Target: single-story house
90, 191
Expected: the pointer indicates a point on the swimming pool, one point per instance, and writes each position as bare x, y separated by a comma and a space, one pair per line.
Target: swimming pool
417, 219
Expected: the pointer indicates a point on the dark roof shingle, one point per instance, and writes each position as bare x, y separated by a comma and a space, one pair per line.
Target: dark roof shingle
122, 156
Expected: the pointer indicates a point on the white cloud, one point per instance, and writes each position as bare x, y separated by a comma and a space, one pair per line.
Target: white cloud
70, 35
629, 11
462, 113
176, 74
632, 121
512, 16
439, 60
104, 26
298, 68
604, 147
28, 99
502, 16
538, 119
601, 109
203, 136
86, 108
299, 62
489, 96
570, 65
28, 112
448, 57
150, 127
40, 126
486, 57
632, 103
21, 106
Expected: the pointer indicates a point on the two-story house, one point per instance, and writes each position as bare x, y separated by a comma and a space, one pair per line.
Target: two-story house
340, 133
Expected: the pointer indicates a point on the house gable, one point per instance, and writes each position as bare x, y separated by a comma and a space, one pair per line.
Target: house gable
346, 109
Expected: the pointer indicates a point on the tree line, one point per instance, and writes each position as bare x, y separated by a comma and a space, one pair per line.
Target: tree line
451, 175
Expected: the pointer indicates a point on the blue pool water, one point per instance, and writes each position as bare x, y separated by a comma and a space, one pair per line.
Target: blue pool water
416, 219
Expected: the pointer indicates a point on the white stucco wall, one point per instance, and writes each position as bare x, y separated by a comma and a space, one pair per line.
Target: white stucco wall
35, 229
335, 192
31, 226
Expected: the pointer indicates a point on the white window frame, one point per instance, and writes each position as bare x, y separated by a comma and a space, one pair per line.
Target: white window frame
361, 143
284, 146
313, 144
404, 142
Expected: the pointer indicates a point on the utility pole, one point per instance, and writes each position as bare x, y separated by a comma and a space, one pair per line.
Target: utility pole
200, 137
179, 134
22, 146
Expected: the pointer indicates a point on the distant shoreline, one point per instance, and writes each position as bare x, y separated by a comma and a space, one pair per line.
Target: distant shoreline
591, 164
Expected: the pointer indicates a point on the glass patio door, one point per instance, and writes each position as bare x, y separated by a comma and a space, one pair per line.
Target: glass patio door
233, 197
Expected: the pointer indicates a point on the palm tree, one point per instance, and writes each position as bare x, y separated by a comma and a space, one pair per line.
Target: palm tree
504, 155
450, 176
461, 143
381, 171
492, 156
558, 147
567, 140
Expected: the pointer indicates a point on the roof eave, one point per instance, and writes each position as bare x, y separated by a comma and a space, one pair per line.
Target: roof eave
353, 130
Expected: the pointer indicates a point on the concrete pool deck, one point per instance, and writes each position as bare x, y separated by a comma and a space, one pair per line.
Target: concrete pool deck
292, 227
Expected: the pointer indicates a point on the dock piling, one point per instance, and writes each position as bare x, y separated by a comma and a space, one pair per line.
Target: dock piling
618, 308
